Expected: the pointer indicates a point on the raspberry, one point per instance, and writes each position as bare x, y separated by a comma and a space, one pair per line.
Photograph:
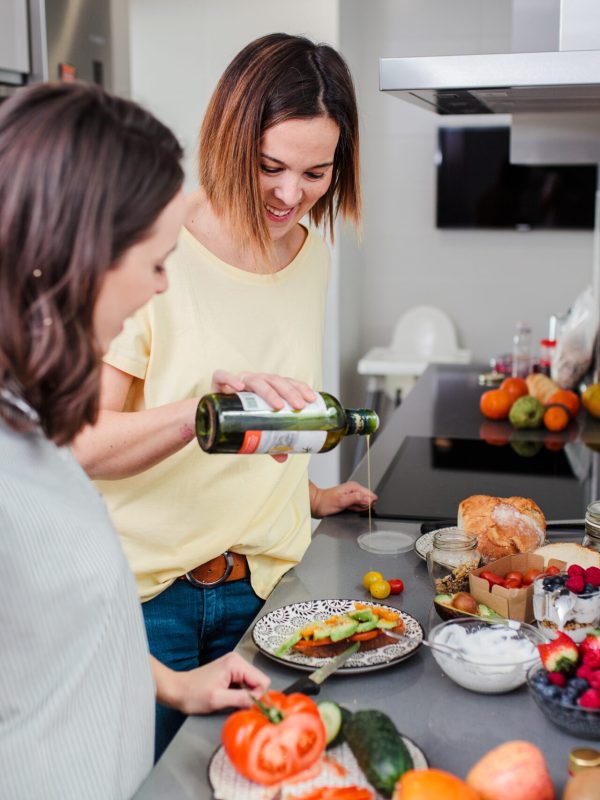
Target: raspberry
594, 680
590, 699
591, 659
592, 575
557, 678
584, 671
575, 570
575, 584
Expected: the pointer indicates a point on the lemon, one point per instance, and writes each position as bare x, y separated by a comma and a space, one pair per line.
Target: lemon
369, 577
380, 589
591, 399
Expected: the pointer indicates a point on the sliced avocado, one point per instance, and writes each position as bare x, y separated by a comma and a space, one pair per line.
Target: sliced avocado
322, 632
288, 644
386, 624
488, 613
363, 627
343, 630
362, 614
443, 598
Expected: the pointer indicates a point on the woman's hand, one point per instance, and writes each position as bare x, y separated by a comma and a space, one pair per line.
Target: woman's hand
210, 687
273, 389
350, 496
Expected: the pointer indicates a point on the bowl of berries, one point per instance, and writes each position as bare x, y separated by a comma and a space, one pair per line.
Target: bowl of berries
566, 686
568, 602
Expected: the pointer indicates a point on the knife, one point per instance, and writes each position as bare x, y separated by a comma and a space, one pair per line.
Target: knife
311, 684
551, 524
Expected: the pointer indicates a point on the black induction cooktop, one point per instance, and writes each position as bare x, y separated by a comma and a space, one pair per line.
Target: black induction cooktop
429, 477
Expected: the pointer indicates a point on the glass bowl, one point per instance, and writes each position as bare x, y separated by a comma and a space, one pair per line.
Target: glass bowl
485, 664
558, 609
581, 722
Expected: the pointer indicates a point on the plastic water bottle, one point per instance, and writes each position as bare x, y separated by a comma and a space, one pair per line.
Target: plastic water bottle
522, 361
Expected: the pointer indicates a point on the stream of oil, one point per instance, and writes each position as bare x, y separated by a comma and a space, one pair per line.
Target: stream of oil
369, 475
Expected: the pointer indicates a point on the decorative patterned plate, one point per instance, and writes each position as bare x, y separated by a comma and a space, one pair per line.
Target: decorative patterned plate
339, 769
274, 628
424, 544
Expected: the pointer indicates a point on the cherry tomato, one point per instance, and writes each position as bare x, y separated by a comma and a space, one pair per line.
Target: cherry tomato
552, 571
514, 577
492, 578
396, 586
379, 589
531, 575
280, 736
513, 583
371, 576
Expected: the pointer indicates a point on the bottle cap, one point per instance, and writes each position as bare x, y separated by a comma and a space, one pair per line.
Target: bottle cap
582, 758
548, 342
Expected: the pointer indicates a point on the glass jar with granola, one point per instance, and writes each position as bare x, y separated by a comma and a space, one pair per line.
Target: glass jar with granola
452, 557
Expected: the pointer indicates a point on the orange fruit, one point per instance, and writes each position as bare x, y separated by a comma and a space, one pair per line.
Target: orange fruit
556, 418
432, 784
495, 404
515, 387
591, 399
566, 398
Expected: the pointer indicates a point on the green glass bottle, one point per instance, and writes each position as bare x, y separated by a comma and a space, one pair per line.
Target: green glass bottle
244, 423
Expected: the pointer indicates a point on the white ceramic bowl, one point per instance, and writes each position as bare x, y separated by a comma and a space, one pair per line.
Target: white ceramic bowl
486, 657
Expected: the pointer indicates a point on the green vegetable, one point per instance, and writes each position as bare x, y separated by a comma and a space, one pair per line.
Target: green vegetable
378, 749
334, 718
288, 644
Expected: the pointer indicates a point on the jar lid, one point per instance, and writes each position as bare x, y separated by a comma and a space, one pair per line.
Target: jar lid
454, 539
548, 342
593, 512
582, 758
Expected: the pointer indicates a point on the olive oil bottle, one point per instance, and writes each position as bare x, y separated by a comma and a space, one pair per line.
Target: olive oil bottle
244, 423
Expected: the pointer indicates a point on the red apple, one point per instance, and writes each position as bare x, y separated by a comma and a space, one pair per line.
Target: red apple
514, 770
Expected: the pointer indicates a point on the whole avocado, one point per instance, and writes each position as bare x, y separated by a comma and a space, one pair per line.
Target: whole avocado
526, 412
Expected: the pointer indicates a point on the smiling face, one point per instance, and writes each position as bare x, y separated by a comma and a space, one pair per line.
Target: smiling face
296, 164
138, 275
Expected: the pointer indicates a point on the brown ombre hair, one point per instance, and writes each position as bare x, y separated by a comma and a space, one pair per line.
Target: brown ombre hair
273, 79
83, 177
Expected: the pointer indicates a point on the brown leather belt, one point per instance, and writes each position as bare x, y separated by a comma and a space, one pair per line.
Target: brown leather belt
222, 569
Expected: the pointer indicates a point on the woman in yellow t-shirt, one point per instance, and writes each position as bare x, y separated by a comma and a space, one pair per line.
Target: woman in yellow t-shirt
208, 537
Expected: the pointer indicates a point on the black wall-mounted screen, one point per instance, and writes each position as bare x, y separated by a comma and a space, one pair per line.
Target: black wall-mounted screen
477, 186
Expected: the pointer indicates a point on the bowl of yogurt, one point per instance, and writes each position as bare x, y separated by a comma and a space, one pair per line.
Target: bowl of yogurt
486, 657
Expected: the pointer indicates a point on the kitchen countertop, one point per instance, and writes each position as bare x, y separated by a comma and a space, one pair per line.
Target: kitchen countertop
453, 726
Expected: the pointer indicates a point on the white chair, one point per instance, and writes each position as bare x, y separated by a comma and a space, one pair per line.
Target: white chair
423, 335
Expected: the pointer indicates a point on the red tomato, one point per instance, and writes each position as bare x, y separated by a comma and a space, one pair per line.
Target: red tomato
515, 577
513, 583
531, 575
492, 578
280, 736
396, 586
552, 571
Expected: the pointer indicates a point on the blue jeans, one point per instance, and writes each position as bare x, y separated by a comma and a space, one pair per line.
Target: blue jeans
187, 627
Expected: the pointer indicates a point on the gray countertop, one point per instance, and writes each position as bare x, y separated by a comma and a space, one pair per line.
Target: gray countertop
453, 726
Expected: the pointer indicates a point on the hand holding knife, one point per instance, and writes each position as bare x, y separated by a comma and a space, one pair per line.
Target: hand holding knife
311, 684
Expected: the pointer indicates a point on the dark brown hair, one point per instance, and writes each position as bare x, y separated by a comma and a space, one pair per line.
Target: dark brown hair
276, 78
83, 177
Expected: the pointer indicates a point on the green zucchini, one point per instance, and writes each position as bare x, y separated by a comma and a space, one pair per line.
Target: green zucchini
378, 749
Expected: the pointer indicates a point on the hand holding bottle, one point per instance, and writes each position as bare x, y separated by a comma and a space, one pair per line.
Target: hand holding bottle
274, 389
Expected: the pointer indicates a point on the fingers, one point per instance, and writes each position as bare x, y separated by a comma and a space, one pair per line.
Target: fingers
281, 457
241, 671
277, 390
230, 698
227, 382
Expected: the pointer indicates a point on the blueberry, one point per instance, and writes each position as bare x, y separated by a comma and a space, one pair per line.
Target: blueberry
549, 691
568, 699
588, 588
547, 583
578, 685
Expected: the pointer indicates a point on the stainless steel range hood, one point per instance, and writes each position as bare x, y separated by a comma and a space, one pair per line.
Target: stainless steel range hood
559, 73
506, 83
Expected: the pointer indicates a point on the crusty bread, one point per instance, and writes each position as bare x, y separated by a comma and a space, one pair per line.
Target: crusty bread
504, 525
571, 553
335, 648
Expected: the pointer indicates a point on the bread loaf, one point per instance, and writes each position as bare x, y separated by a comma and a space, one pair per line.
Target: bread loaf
504, 525
541, 386
570, 553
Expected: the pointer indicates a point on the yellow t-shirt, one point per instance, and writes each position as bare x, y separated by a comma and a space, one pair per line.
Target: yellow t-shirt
193, 506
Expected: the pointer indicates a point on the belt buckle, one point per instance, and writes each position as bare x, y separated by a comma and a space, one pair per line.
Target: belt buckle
209, 585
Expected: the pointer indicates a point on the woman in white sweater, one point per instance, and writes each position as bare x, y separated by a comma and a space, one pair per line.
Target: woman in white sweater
90, 206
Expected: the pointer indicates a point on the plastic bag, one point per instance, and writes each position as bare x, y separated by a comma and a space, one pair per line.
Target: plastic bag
575, 347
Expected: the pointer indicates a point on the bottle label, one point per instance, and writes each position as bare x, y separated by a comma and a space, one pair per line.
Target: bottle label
281, 442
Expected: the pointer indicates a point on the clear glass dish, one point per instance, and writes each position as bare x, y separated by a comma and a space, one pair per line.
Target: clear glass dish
578, 721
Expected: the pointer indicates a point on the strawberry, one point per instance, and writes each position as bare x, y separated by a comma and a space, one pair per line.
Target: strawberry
594, 680
584, 671
591, 643
557, 678
574, 570
592, 575
590, 699
591, 659
575, 584
559, 655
